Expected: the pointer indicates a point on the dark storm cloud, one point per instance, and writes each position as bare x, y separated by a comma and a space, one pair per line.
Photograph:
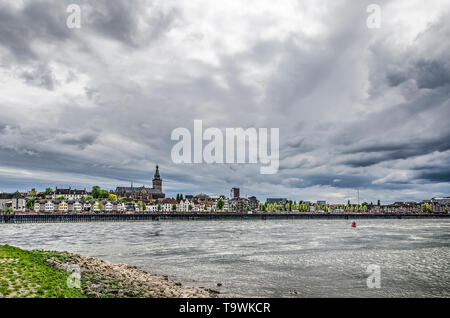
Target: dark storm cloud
379, 152
40, 76
120, 20
432, 74
81, 141
38, 20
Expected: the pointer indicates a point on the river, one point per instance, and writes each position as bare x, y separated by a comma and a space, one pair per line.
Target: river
272, 258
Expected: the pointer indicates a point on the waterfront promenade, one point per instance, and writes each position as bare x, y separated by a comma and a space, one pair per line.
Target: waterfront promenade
135, 217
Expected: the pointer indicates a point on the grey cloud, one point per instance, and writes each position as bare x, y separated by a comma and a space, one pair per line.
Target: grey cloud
81, 141
432, 74
41, 76
38, 20
120, 20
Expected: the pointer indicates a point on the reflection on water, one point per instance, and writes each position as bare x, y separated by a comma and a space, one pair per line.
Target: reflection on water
276, 258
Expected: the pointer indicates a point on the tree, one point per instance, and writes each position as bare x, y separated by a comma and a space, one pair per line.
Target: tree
95, 192
178, 197
112, 197
30, 203
48, 191
174, 207
190, 207
61, 198
378, 203
220, 204
159, 207
426, 207
248, 208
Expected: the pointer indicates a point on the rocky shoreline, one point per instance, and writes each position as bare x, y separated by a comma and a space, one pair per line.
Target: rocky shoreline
100, 279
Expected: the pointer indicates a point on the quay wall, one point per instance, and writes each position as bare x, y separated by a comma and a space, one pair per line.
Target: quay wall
69, 218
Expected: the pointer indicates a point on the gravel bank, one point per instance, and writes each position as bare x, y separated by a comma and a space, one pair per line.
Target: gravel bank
104, 279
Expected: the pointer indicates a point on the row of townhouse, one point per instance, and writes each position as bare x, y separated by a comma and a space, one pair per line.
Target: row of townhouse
77, 206
165, 205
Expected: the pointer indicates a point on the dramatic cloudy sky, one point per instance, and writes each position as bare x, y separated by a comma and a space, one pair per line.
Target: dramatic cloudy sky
357, 108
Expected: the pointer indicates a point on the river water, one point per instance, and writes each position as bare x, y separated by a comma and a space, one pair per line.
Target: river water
273, 258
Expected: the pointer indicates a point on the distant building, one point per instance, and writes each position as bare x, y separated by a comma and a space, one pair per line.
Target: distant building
16, 201
69, 194
279, 201
322, 202
235, 193
442, 201
253, 202
201, 197
49, 206
143, 193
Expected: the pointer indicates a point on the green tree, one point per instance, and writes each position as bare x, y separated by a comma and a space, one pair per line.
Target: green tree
30, 203
95, 192
220, 204
48, 191
178, 197
174, 207
159, 207
190, 207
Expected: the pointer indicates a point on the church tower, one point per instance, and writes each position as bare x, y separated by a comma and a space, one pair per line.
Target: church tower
157, 181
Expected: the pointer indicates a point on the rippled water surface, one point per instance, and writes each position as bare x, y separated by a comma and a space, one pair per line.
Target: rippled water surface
276, 258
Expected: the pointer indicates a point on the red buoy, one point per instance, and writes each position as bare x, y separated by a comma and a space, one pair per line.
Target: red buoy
353, 224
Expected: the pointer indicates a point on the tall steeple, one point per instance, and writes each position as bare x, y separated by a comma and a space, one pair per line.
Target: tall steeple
157, 177
157, 181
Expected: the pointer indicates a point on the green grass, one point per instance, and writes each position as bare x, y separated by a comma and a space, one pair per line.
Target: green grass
28, 274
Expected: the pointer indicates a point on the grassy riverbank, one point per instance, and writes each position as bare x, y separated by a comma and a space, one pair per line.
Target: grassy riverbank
43, 274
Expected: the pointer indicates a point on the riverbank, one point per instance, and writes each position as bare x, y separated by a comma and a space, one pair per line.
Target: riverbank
133, 217
44, 274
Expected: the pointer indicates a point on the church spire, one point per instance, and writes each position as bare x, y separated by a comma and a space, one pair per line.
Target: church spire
157, 176
157, 182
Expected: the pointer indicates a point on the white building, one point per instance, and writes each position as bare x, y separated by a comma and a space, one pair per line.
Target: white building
152, 208
183, 206
120, 207
69, 194
37, 206
49, 206
108, 207
77, 206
